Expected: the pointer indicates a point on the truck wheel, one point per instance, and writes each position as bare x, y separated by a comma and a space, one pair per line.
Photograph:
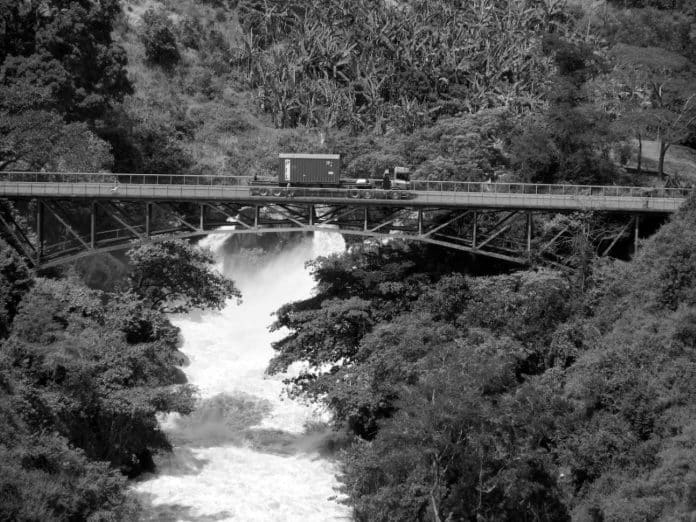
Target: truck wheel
368, 194
277, 192
354, 193
263, 192
395, 194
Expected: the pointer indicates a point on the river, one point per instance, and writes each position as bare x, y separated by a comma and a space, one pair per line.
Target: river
246, 453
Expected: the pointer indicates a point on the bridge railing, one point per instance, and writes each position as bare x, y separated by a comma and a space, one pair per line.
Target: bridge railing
544, 189
416, 185
126, 179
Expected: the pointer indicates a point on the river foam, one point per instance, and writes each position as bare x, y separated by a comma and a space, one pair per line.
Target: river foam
245, 454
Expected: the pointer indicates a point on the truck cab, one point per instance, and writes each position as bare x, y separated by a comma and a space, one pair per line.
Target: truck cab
401, 178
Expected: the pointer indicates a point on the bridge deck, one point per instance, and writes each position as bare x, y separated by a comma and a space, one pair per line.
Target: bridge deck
424, 193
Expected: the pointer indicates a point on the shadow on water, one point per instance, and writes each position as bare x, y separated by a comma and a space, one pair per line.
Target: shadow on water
183, 462
323, 444
169, 512
233, 420
219, 420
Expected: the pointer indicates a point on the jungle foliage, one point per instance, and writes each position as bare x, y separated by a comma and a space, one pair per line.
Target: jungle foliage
83, 375
224, 86
553, 71
521, 396
361, 64
63, 81
176, 277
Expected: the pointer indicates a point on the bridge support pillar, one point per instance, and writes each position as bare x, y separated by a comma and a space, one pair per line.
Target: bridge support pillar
474, 231
201, 222
365, 219
636, 237
39, 231
148, 219
311, 215
530, 228
93, 224
420, 221
256, 216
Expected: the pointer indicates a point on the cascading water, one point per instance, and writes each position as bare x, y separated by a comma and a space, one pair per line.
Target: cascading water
245, 454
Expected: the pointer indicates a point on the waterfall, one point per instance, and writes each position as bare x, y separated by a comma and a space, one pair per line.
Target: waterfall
246, 453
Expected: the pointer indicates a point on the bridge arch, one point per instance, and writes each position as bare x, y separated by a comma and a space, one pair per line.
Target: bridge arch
67, 259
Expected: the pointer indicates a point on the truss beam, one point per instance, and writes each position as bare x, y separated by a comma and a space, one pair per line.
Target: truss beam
617, 237
65, 224
172, 213
509, 236
115, 213
12, 232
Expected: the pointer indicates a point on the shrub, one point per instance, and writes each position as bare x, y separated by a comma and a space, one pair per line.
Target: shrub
159, 40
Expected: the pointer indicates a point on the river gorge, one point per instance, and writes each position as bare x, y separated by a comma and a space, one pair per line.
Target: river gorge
247, 452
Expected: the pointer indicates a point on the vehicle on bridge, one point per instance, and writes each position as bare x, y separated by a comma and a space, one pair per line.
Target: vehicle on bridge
303, 174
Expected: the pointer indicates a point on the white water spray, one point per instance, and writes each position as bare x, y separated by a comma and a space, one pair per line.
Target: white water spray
245, 453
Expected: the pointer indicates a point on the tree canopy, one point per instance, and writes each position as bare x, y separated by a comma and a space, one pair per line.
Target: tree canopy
58, 55
515, 396
84, 375
60, 72
176, 276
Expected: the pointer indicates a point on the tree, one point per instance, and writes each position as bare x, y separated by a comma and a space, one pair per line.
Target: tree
176, 276
659, 4
650, 27
159, 40
97, 369
43, 477
465, 148
59, 55
458, 447
15, 281
570, 141
625, 443
620, 93
668, 108
35, 140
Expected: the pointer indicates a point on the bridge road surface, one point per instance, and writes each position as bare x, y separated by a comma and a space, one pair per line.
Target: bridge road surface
454, 195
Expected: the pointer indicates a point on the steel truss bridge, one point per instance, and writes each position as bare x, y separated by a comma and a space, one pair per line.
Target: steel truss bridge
53, 218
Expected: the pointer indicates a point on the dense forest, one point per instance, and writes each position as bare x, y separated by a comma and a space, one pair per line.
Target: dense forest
83, 374
538, 90
520, 396
536, 395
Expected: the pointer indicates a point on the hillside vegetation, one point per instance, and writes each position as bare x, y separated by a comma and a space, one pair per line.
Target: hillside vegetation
524, 396
83, 376
536, 395
534, 91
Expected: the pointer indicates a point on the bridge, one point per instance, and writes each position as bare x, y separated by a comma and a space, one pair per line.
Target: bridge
103, 211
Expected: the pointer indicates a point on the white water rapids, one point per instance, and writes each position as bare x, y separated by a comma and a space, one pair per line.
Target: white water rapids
245, 454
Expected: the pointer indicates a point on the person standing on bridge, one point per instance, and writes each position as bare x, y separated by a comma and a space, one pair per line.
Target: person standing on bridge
386, 182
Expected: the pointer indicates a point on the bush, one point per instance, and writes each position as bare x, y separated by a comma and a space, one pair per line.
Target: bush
159, 40
95, 373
